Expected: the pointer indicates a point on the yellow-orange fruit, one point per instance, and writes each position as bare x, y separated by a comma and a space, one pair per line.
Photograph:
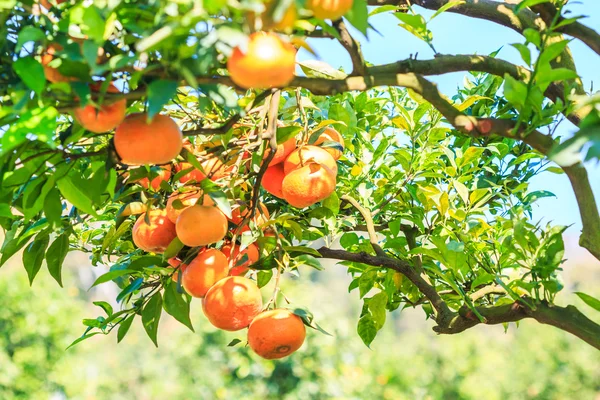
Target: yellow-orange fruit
51, 73
272, 180
175, 262
266, 62
329, 9
205, 270
232, 303
194, 175
276, 333
260, 216
104, 119
187, 199
201, 225
331, 135
156, 236
163, 175
283, 151
234, 258
138, 141
308, 185
306, 154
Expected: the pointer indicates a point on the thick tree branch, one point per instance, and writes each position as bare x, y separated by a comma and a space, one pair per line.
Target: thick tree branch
499, 13
352, 47
568, 319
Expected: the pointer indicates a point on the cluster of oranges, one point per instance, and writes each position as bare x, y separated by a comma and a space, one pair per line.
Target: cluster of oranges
300, 174
307, 174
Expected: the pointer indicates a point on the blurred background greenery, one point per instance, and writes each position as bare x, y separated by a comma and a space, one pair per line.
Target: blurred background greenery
406, 361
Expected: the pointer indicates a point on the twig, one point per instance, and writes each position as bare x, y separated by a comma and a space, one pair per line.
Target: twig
366, 214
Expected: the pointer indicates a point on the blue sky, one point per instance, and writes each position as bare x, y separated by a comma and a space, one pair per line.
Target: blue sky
456, 34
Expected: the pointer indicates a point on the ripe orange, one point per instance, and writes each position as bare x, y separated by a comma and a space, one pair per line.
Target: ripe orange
276, 334
175, 262
283, 150
201, 225
267, 62
156, 236
331, 135
205, 270
104, 119
194, 175
187, 199
138, 141
163, 175
308, 185
232, 303
273, 179
51, 73
260, 216
305, 154
285, 23
329, 9
234, 257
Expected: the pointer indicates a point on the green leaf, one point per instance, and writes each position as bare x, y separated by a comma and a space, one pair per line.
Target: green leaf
447, 6
528, 3
377, 308
151, 316
589, 300
55, 256
34, 255
29, 34
111, 275
302, 249
160, 92
287, 132
75, 195
39, 122
366, 282
358, 16
263, 278
307, 259
124, 327
173, 249
177, 305
105, 306
132, 287
53, 207
222, 202
556, 75
348, 240
81, 339
366, 329
31, 72
92, 24
515, 91
320, 69
234, 342
332, 203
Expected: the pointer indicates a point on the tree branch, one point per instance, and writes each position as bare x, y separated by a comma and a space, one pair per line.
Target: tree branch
352, 47
366, 214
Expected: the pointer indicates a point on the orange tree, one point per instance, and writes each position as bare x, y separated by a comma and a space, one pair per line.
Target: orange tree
173, 142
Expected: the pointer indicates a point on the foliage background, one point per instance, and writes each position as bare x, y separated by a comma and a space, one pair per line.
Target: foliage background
406, 361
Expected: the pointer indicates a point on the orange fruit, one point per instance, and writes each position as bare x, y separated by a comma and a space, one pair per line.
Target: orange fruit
51, 73
232, 303
234, 257
138, 141
331, 135
305, 154
205, 270
284, 24
260, 216
308, 185
104, 119
267, 61
194, 175
276, 334
282, 152
187, 199
201, 225
156, 236
175, 262
272, 180
329, 9
163, 175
